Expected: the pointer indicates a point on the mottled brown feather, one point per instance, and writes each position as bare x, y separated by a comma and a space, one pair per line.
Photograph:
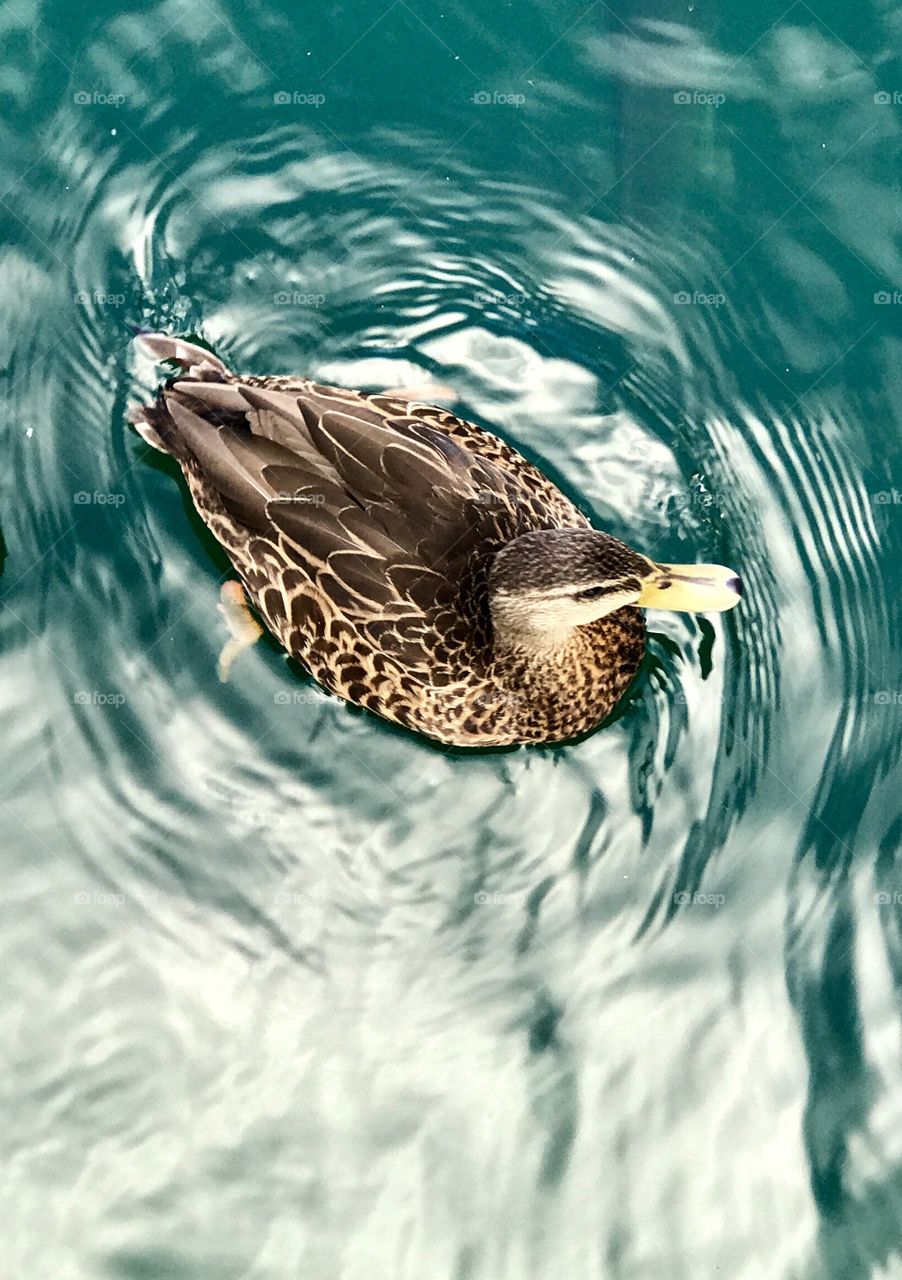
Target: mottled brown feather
363, 528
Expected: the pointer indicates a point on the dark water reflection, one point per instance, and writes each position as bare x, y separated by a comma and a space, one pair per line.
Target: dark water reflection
288, 989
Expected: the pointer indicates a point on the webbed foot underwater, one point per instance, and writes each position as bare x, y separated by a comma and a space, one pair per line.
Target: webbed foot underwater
414, 563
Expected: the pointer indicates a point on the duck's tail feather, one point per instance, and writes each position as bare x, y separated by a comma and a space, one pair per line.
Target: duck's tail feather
153, 422
198, 361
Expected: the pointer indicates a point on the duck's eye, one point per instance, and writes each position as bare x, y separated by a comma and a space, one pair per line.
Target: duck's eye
591, 593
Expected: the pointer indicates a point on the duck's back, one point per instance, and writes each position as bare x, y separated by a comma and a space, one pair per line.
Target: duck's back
362, 526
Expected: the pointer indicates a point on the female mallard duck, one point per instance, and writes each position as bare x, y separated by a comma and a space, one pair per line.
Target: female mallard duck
414, 563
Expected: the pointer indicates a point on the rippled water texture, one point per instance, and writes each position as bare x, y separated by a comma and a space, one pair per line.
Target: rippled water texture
290, 992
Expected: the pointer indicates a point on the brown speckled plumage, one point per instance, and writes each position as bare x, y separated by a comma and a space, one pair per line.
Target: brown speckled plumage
363, 528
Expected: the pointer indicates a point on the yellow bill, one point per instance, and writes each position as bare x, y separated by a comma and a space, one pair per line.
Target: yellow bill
694, 588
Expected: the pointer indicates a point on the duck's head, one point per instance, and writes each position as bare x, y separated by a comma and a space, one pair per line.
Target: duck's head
543, 584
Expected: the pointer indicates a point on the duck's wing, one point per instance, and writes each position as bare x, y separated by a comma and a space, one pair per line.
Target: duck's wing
366, 506
411, 477
280, 400
385, 523
286, 410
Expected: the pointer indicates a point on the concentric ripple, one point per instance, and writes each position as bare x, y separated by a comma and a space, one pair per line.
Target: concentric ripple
370, 1005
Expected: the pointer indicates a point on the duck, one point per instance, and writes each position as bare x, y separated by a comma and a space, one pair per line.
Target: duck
414, 563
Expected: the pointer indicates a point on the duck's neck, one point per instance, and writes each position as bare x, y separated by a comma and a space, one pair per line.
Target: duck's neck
604, 654
536, 644
517, 631
538, 653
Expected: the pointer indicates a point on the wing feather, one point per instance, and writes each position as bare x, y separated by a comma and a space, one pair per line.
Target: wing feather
366, 508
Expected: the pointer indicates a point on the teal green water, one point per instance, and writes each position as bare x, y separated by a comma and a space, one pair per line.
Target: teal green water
291, 993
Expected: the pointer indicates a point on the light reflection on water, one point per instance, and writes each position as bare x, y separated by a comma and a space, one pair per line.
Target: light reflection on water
626, 1008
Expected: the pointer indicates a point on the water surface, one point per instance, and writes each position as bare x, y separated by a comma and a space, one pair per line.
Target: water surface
289, 991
